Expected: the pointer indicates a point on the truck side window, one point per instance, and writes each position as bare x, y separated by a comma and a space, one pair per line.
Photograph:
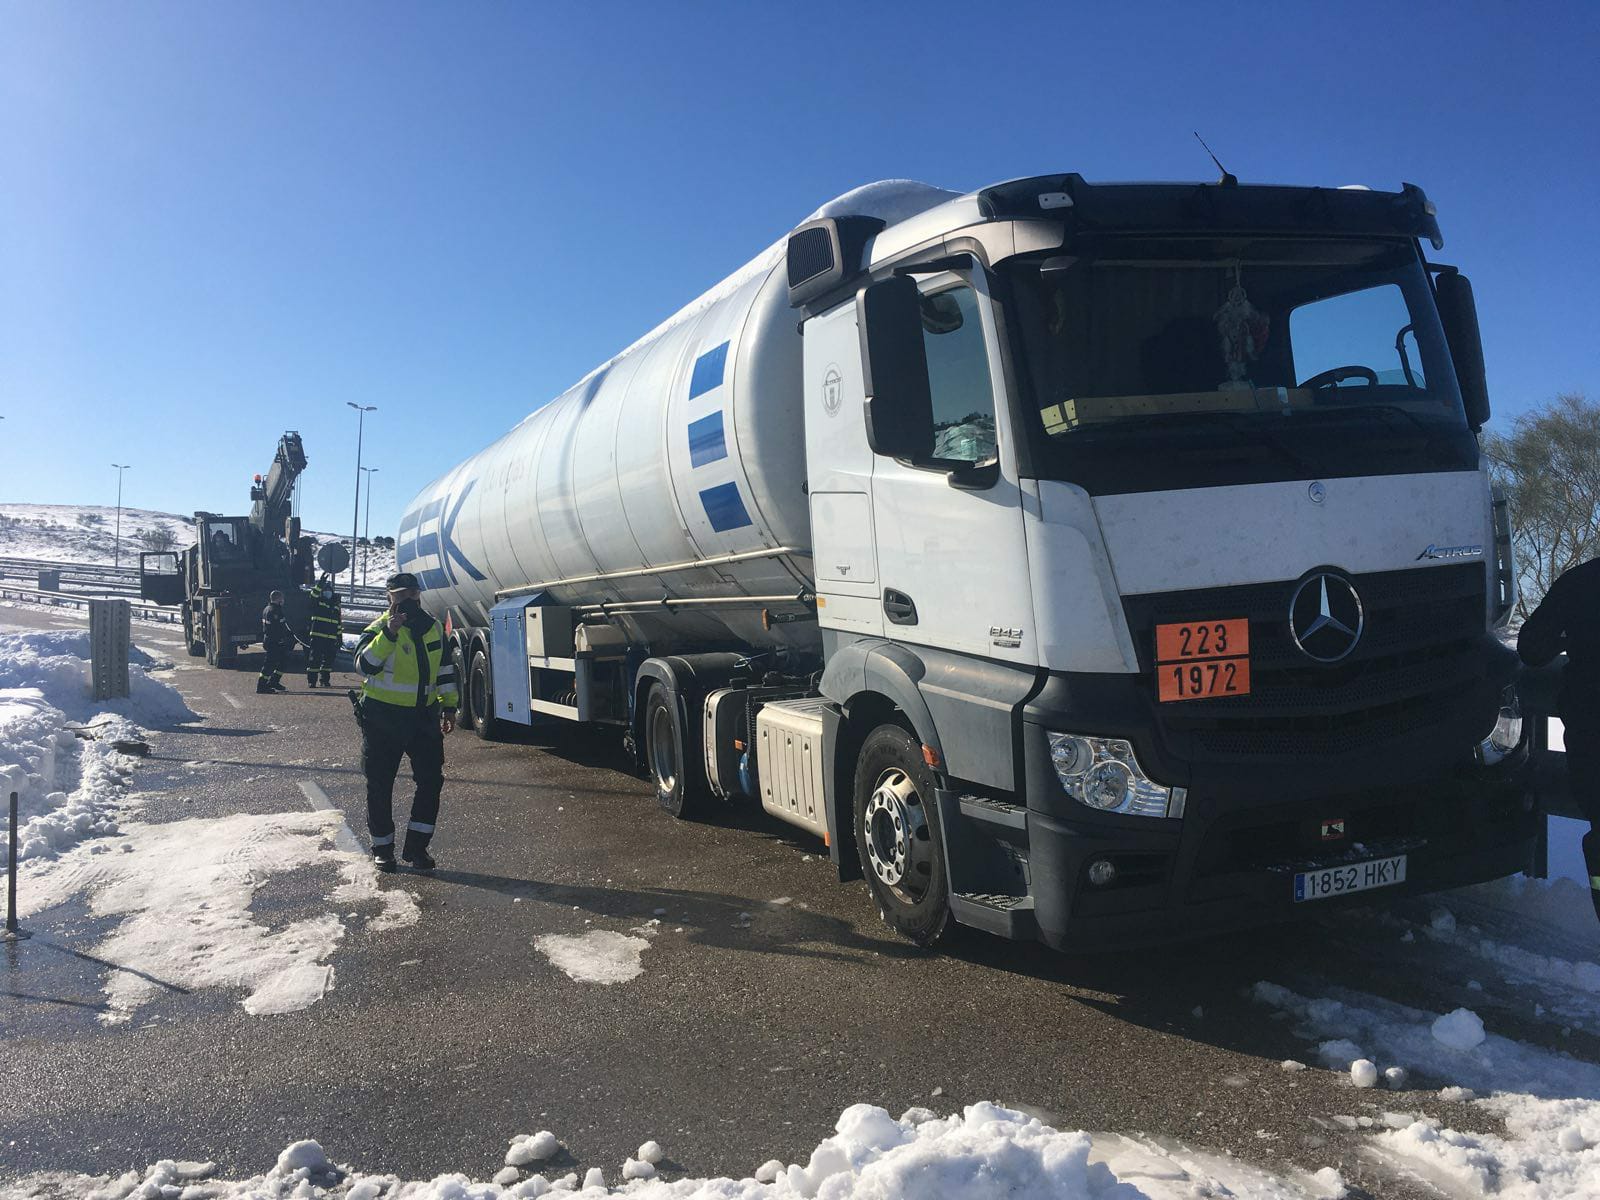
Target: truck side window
958, 370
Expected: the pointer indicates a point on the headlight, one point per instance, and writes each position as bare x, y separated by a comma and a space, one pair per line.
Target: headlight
1506, 735
1104, 774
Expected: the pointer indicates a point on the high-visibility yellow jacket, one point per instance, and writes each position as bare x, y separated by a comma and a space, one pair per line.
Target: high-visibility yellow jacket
395, 671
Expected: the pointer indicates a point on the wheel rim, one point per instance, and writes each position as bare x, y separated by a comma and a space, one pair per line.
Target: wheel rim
663, 750
898, 845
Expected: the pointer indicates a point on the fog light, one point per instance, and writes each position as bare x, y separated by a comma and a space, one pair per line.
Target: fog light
1102, 872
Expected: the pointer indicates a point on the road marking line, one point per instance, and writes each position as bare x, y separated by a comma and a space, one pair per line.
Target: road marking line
231, 700
343, 840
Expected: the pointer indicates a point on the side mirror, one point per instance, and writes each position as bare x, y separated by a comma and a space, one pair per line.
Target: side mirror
894, 369
1458, 313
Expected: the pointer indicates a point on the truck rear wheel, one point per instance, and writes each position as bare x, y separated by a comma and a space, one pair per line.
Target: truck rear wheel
668, 757
898, 836
480, 698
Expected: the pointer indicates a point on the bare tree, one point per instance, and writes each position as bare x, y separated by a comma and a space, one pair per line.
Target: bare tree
1549, 465
157, 538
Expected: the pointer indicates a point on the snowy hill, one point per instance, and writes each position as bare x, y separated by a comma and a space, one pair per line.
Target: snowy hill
86, 533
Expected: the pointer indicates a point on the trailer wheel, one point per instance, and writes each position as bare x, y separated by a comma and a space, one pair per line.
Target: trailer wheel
679, 788
196, 646
464, 714
480, 699
898, 837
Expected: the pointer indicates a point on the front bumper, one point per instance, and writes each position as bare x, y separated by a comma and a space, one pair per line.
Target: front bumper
1227, 867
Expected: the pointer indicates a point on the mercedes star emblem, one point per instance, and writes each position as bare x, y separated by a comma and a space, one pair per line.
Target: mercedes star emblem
1325, 617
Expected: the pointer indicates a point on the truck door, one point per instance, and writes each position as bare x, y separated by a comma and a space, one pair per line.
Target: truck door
952, 561
160, 580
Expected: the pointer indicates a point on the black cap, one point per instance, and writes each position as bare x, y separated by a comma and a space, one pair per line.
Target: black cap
403, 579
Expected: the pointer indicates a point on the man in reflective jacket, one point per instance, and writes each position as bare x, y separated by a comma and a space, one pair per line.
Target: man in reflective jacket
326, 628
408, 704
277, 639
1569, 619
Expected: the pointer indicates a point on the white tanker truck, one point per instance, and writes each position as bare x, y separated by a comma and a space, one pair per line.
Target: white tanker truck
1081, 562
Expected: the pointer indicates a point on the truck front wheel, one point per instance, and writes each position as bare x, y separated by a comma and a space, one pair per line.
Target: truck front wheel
898, 836
196, 645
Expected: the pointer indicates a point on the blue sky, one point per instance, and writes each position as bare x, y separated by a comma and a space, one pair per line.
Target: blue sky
220, 221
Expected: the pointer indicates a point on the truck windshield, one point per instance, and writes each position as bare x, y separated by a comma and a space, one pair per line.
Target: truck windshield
1166, 362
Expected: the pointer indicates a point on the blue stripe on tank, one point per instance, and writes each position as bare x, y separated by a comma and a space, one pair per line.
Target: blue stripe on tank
708, 370
706, 443
724, 508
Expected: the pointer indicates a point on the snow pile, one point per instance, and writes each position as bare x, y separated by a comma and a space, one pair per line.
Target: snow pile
1549, 1102
68, 788
984, 1152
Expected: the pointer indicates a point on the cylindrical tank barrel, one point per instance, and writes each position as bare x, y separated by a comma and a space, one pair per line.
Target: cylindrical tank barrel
676, 472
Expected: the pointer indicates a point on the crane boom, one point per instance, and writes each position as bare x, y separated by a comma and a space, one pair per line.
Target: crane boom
271, 495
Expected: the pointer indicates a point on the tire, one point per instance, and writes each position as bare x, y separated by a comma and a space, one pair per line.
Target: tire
480, 699
669, 756
210, 636
196, 646
898, 837
465, 717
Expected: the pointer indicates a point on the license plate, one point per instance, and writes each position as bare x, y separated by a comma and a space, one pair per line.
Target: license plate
1352, 877
1201, 680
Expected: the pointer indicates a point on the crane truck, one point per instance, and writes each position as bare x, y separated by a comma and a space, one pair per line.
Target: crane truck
223, 580
1081, 562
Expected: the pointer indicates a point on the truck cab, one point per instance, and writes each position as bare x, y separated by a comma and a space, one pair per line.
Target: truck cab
1156, 516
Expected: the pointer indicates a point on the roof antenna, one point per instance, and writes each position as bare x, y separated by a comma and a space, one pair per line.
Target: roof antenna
1227, 180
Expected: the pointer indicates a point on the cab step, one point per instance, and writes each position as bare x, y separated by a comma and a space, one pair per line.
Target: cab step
1008, 916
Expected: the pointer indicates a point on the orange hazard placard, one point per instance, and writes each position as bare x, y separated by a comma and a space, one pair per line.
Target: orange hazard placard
1191, 640
1203, 680
1199, 660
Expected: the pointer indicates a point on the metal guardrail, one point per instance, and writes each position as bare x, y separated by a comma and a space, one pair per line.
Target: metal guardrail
144, 612
109, 580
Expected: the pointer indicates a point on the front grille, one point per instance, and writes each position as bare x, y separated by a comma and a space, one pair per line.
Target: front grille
1418, 661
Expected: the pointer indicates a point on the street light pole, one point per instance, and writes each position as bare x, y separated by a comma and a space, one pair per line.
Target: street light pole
355, 521
367, 532
117, 545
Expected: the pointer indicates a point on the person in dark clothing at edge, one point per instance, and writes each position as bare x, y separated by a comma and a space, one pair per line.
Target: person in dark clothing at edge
1569, 619
326, 629
277, 639
408, 704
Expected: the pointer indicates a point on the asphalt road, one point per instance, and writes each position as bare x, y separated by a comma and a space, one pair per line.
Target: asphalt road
742, 1039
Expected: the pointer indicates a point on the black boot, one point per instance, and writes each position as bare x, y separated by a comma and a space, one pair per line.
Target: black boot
311, 680
1591, 863
276, 684
263, 687
383, 857
416, 852
325, 682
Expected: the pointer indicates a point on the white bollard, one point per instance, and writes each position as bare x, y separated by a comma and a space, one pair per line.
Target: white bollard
109, 638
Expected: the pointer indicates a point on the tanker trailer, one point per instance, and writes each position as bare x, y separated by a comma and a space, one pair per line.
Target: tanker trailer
1079, 562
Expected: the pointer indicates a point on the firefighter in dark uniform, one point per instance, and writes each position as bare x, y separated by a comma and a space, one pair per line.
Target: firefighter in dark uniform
408, 704
277, 639
1569, 619
325, 631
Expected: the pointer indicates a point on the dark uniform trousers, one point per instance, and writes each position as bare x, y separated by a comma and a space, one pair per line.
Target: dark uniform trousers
389, 733
320, 653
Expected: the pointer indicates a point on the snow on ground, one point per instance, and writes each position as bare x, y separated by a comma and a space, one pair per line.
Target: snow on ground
1535, 942
984, 1152
68, 788
600, 956
180, 892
